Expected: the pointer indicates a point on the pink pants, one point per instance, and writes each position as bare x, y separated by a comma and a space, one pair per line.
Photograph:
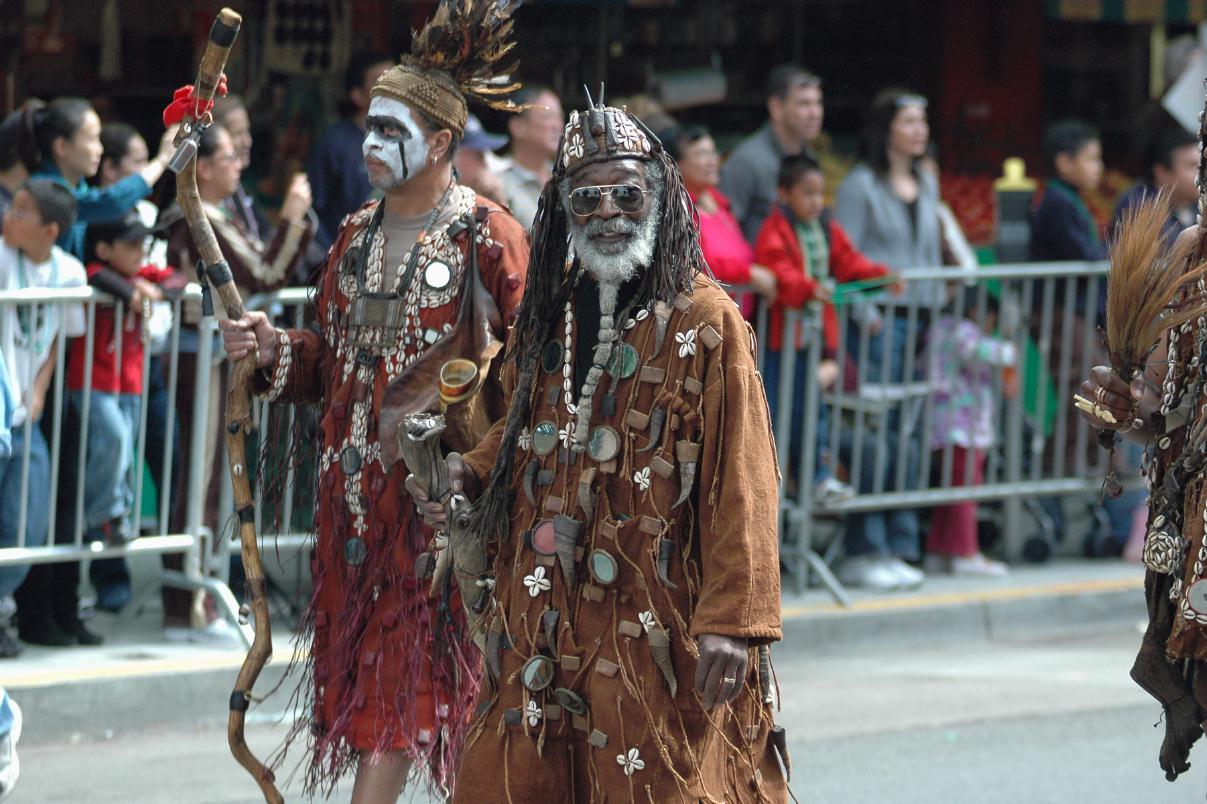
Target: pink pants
953, 530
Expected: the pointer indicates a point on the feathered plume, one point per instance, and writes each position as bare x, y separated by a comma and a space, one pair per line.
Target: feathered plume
1150, 289
1201, 180
469, 39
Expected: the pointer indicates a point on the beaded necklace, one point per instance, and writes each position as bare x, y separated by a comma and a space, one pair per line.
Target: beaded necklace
581, 410
374, 316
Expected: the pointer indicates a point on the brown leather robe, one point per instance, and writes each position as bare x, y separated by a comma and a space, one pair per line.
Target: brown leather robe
641, 733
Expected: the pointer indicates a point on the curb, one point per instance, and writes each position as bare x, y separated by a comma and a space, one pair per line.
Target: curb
1005, 614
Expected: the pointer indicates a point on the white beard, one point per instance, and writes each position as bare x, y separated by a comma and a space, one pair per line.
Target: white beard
617, 268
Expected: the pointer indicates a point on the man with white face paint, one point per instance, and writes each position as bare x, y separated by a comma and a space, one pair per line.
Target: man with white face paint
429, 274
630, 498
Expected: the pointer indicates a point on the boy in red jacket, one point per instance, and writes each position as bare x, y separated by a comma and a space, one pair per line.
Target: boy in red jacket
809, 253
116, 266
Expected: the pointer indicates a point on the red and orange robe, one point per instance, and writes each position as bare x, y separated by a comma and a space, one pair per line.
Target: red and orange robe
388, 668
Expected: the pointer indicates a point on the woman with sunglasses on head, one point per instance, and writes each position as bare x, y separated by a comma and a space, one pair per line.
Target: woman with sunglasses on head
728, 254
66, 135
889, 206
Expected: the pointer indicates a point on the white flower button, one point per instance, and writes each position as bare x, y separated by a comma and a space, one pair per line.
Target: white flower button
534, 713
687, 342
537, 582
646, 618
566, 434
642, 478
631, 761
575, 146
525, 439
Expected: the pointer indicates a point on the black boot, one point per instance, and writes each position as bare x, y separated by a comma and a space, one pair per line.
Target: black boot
42, 631
81, 633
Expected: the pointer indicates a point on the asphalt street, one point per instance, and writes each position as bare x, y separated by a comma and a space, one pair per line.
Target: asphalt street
987, 723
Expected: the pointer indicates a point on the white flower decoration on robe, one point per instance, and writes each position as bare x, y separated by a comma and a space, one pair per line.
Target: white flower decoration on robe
687, 343
537, 582
631, 761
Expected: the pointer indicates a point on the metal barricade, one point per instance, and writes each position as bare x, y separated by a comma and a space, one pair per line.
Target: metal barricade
193, 540
288, 537
882, 415
885, 407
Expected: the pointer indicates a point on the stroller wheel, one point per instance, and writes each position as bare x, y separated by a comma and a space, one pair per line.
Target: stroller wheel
1037, 550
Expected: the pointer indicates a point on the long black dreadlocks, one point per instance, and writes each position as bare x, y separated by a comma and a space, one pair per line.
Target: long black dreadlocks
676, 261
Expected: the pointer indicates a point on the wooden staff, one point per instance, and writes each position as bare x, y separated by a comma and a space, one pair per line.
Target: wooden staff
238, 400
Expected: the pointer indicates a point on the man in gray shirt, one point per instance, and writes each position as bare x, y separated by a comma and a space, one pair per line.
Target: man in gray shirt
535, 134
794, 111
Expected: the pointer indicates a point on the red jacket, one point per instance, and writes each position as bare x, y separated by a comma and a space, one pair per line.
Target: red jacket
725, 249
105, 374
778, 248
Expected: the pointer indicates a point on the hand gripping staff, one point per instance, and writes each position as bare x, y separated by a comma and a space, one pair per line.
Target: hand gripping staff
238, 401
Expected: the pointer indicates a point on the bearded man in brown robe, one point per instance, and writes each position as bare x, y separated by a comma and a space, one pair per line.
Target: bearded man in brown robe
629, 504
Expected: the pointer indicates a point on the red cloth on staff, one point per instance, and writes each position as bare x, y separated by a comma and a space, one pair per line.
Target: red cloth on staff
185, 102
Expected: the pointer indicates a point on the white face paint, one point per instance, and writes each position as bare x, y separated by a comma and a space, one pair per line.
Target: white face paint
394, 139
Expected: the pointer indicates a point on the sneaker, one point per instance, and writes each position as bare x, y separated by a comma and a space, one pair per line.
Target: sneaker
10, 766
831, 490
869, 572
216, 633
10, 648
978, 565
908, 576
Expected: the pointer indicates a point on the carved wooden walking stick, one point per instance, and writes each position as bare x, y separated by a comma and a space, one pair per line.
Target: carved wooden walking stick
216, 272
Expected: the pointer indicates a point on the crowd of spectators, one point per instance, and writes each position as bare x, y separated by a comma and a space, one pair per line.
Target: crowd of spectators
781, 217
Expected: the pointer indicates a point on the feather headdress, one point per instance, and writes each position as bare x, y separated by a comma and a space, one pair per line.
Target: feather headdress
459, 53
1151, 288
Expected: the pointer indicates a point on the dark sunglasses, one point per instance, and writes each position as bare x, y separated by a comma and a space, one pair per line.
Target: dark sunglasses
626, 197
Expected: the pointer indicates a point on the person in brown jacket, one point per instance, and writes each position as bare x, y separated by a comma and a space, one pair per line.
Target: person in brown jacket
629, 505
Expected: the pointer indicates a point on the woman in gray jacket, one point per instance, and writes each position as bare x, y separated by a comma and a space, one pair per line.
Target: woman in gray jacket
889, 207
